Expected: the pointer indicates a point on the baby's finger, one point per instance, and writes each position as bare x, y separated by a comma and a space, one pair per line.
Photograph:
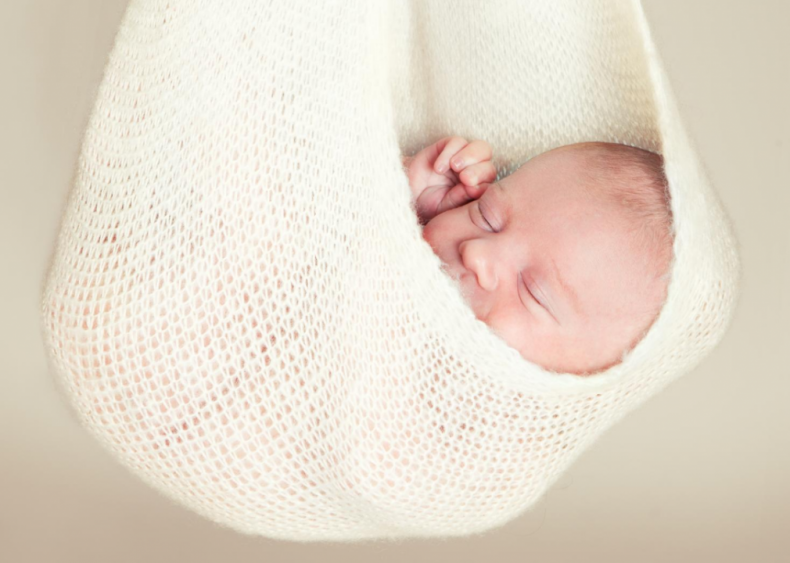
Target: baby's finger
446, 148
474, 152
455, 197
478, 173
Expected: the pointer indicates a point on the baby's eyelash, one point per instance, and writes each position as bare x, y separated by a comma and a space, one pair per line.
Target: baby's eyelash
480, 210
529, 290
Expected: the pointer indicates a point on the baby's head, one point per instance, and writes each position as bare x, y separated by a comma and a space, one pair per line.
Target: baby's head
567, 259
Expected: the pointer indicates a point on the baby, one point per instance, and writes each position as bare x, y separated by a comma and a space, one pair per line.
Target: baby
567, 259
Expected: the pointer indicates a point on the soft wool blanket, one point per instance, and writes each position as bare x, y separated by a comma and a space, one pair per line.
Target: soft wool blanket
241, 307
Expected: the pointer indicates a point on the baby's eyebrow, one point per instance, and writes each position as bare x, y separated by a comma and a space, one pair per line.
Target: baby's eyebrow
503, 207
503, 197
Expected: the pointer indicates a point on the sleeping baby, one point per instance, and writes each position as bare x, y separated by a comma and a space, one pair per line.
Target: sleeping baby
567, 259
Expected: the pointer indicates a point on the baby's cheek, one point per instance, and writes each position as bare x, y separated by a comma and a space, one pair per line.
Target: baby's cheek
512, 331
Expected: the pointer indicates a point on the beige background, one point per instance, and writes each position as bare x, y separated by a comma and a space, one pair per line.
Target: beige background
699, 473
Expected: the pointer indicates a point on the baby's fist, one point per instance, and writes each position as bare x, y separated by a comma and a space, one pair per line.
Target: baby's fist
448, 174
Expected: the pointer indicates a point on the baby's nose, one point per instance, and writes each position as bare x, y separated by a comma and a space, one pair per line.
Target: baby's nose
486, 279
480, 263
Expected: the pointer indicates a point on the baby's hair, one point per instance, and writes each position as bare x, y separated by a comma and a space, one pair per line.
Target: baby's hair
633, 180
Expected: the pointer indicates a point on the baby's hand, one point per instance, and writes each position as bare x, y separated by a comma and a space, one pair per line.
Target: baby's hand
448, 174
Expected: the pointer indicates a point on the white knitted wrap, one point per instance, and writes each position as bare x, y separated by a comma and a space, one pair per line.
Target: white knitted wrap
241, 307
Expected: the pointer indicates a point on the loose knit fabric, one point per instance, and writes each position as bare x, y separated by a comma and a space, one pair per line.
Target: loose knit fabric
241, 307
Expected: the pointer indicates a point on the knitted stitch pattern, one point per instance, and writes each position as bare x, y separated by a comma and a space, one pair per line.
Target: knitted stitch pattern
242, 310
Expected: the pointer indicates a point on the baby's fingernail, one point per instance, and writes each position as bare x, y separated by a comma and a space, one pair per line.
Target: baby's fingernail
441, 168
458, 162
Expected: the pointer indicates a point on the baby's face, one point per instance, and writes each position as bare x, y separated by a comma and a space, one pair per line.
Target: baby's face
549, 268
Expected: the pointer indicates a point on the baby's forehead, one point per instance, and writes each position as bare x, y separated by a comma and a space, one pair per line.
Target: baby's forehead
568, 209
549, 187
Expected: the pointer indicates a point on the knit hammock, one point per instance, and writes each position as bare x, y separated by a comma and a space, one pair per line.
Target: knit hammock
241, 307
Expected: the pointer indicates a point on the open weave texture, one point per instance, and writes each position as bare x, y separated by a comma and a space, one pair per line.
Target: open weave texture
241, 307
